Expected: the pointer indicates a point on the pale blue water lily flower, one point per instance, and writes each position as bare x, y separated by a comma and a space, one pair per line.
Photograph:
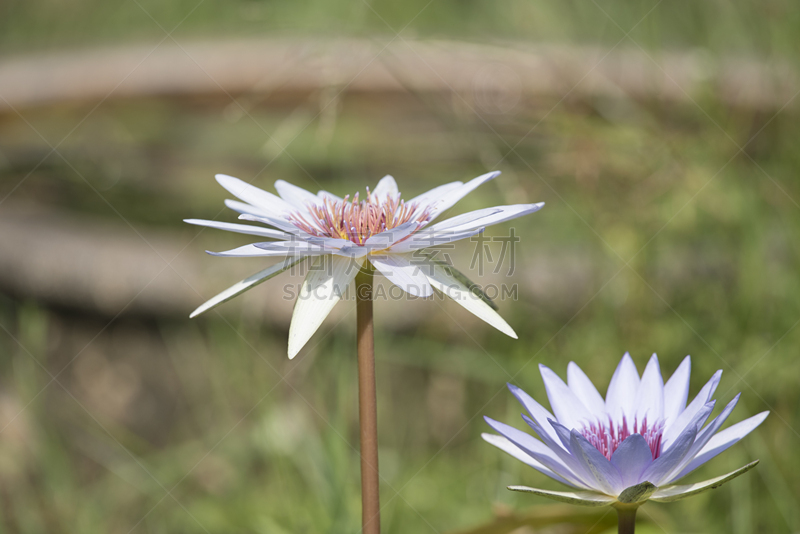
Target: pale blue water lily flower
629, 447
342, 235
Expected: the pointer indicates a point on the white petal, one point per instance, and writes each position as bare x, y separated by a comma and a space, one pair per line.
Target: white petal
538, 412
622, 390
676, 391
674, 493
426, 199
456, 290
245, 208
505, 445
259, 198
240, 228
279, 223
247, 283
296, 196
302, 248
568, 409
448, 200
484, 218
585, 391
289, 228
252, 250
581, 498
425, 239
387, 238
678, 426
464, 218
330, 196
406, 274
326, 282
386, 188
649, 401
722, 441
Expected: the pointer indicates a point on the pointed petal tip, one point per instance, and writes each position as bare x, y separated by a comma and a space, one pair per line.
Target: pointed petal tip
487, 437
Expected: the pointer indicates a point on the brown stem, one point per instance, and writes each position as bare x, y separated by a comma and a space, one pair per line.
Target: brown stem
367, 405
626, 519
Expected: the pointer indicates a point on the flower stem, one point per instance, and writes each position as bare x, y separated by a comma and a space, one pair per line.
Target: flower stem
367, 404
626, 519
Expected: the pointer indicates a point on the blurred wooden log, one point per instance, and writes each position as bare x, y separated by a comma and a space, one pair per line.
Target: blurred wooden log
294, 67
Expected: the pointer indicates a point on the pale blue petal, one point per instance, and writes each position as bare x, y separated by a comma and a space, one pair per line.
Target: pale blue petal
676, 392
537, 450
679, 425
505, 445
622, 391
539, 413
631, 458
583, 388
568, 455
657, 471
722, 441
650, 394
703, 437
605, 474
562, 449
569, 411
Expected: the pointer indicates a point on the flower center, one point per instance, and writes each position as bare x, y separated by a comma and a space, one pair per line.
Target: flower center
606, 436
357, 221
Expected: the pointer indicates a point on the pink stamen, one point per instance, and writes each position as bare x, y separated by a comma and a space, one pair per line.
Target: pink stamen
357, 221
607, 436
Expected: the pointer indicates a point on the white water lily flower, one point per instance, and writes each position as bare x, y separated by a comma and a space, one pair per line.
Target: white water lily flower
343, 234
625, 449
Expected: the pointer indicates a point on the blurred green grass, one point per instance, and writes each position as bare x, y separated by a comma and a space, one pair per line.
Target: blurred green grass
244, 440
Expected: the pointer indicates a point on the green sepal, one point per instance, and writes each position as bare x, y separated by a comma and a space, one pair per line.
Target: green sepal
581, 498
674, 493
637, 494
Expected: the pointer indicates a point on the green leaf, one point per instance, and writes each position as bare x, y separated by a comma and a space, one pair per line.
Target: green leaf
674, 493
636, 494
581, 498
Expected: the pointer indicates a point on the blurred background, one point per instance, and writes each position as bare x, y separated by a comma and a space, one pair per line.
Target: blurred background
661, 135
